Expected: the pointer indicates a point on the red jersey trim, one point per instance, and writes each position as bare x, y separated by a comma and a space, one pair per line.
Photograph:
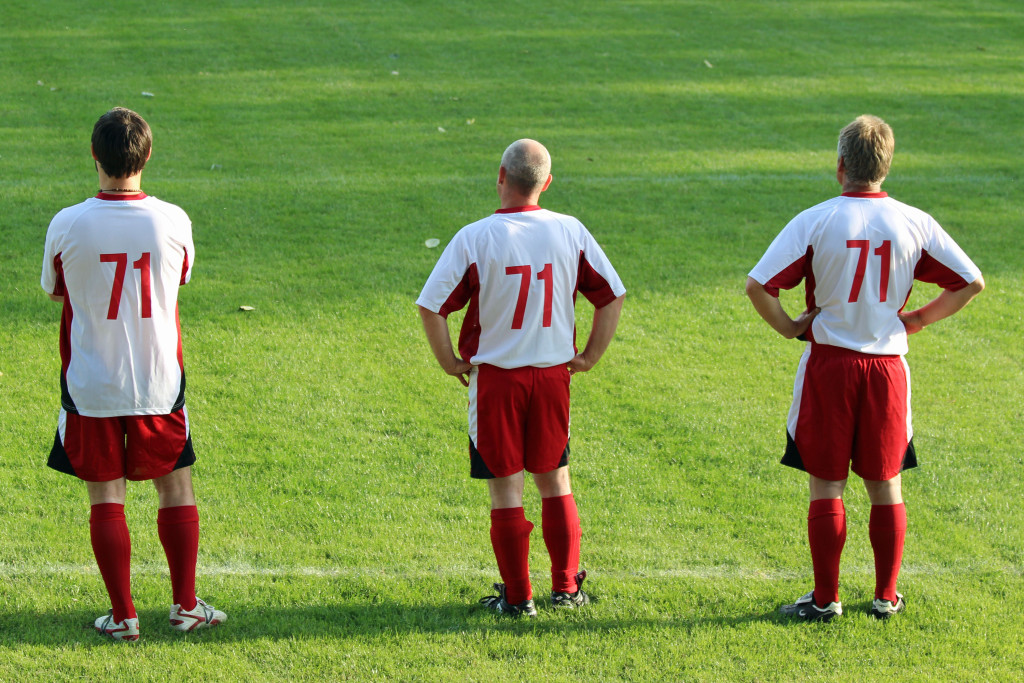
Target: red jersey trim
592, 285
930, 270
790, 276
106, 196
66, 316
467, 291
519, 209
184, 270
866, 195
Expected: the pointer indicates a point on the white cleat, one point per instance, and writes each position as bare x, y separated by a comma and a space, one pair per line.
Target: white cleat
202, 616
883, 609
127, 630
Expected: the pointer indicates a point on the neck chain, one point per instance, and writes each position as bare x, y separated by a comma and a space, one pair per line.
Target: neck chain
119, 189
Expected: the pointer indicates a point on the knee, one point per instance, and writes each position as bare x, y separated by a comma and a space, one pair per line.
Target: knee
554, 483
888, 492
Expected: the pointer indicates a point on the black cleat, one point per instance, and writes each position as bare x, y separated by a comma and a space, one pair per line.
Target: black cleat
499, 604
883, 609
804, 608
572, 600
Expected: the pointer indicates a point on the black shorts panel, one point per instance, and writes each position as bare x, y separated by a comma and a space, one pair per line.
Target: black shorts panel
59, 460
478, 468
791, 458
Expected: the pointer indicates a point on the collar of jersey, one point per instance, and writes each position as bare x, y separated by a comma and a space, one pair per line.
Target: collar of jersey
120, 197
518, 209
866, 195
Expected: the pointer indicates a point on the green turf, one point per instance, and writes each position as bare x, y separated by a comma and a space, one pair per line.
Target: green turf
316, 145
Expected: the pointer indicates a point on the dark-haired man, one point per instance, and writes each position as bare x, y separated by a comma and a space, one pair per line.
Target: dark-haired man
859, 255
519, 271
115, 262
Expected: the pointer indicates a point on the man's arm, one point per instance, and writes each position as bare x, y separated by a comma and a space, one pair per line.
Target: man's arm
606, 319
770, 308
56, 297
440, 340
944, 305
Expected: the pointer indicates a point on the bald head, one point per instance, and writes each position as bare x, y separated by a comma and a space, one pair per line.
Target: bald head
527, 165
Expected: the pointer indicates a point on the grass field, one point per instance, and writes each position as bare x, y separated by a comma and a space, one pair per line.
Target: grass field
316, 145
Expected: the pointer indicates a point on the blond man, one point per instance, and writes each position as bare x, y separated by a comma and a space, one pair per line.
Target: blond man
858, 255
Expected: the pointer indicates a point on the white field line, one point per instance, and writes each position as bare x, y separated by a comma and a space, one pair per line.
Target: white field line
18, 570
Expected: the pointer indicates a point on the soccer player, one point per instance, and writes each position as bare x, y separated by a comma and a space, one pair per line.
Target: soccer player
859, 255
115, 262
519, 270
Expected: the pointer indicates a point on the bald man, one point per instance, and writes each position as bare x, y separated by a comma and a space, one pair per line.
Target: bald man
519, 270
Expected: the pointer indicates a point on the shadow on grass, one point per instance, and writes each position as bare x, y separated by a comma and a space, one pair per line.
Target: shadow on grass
345, 621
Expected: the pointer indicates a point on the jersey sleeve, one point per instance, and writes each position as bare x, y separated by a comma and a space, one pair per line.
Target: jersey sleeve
52, 280
783, 265
452, 282
181, 235
943, 262
596, 278
189, 258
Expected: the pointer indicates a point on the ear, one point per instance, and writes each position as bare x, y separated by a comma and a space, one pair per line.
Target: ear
92, 152
150, 154
547, 182
840, 170
501, 175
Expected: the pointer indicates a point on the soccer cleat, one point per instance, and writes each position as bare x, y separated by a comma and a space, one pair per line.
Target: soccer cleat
499, 604
572, 600
127, 630
201, 616
883, 609
804, 608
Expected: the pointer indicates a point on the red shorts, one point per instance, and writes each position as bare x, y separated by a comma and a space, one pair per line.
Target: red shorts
137, 447
850, 408
518, 419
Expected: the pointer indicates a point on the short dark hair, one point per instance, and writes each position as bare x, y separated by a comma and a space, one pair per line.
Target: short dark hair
121, 142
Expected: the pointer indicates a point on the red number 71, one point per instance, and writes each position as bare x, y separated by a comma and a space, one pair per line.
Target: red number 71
885, 253
121, 266
524, 292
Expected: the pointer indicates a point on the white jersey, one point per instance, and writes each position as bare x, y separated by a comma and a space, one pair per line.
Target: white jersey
118, 263
860, 254
519, 270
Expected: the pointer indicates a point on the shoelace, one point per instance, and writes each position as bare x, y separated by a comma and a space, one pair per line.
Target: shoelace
207, 610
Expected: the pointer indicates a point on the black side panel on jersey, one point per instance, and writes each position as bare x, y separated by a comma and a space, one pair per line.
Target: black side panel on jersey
66, 402
179, 402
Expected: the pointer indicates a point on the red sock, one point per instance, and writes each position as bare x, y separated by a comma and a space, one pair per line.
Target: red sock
112, 547
510, 538
560, 523
887, 528
179, 534
826, 531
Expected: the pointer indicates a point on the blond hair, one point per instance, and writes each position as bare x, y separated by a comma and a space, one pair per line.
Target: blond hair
865, 146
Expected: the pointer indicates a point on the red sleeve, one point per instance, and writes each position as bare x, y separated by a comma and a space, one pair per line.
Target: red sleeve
929, 269
462, 293
592, 284
59, 288
790, 276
